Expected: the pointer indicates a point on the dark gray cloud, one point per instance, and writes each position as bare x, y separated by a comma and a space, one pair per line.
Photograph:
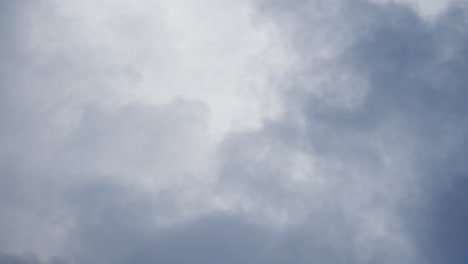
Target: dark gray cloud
26, 259
122, 231
399, 150
419, 77
367, 163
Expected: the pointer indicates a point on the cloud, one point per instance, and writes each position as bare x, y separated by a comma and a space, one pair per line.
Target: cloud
359, 159
374, 143
25, 259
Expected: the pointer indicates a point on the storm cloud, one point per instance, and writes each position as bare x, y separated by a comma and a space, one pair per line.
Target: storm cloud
263, 131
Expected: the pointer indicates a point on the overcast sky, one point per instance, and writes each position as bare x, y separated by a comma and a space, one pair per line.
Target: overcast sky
233, 131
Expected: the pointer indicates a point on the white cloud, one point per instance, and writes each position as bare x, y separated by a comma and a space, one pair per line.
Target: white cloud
155, 51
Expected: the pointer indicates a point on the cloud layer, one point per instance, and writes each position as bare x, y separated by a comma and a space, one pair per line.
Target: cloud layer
233, 132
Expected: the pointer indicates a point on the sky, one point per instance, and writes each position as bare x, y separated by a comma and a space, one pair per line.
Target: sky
233, 131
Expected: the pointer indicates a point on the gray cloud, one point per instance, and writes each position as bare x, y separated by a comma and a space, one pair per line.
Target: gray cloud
366, 164
398, 151
26, 259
